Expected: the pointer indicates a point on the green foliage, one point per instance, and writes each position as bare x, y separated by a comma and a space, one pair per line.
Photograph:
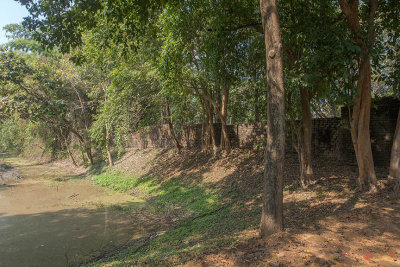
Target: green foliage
68, 16
126, 93
128, 60
31, 139
21, 39
12, 135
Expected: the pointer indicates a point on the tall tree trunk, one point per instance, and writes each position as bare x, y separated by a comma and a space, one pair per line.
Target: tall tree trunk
207, 128
108, 141
394, 171
204, 133
211, 128
225, 142
89, 154
107, 132
171, 128
221, 112
272, 211
204, 129
362, 101
218, 96
360, 128
305, 138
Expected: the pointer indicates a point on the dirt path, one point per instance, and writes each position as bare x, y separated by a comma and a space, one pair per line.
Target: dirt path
53, 218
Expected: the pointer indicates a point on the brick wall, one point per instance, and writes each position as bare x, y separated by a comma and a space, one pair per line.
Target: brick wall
331, 136
382, 126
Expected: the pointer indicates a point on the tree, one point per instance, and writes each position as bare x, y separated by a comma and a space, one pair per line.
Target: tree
308, 72
363, 30
35, 87
272, 213
207, 40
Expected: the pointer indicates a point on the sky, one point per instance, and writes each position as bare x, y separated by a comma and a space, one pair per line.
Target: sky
10, 12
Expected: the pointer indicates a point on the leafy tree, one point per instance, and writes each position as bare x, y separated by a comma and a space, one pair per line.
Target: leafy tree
34, 87
307, 42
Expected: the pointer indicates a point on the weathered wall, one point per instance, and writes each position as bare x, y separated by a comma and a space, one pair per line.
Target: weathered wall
331, 136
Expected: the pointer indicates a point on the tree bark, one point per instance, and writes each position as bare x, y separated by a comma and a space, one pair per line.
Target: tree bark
109, 156
360, 128
211, 126
272, 211
360, 119
171, 128
394, 170
225, 142
305, 139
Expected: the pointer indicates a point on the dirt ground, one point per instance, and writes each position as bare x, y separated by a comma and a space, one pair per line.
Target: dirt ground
364, 234
329, 224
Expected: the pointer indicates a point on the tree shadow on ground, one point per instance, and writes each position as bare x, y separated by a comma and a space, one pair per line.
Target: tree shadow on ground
187, 178
213, 215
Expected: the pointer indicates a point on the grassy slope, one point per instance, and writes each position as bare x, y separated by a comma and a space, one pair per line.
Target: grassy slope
207, 221
216, 202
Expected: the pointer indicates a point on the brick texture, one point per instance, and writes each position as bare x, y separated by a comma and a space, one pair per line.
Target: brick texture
331, 136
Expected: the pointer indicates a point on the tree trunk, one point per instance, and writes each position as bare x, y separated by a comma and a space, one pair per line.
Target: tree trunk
86, 145
221, 111
204, 133
86, 153
204, 129
360, 128
68, 150
225, 142
272, 212
362, 99
211, 126
207, 131
89, 155
305, 138
394, 171
109, 156
171, 128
